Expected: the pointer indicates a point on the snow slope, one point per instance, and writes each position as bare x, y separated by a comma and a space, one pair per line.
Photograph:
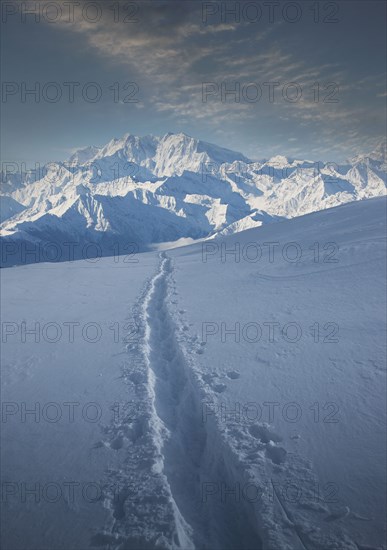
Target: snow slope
310, 405
217, 431
9, 208
160, 189
70, 374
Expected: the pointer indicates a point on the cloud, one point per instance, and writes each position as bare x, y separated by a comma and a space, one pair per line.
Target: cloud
169, 52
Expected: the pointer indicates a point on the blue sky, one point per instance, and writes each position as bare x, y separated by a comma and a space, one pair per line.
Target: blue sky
171, 51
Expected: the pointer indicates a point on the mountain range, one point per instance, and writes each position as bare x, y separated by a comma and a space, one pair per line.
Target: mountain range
135, 192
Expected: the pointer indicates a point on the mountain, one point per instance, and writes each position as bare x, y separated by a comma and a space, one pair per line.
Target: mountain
379, 154
137, 191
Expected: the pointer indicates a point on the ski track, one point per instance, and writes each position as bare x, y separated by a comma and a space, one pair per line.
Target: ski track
167, 452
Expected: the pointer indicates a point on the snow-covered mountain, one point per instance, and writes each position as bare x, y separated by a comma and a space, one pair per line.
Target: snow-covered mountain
136, 191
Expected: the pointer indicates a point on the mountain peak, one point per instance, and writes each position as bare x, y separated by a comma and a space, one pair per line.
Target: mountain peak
171, 154
378, 154
278, 161
83, 155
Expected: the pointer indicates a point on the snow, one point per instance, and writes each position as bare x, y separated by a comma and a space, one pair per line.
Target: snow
223, 440
71, 302
344, 380
83, 155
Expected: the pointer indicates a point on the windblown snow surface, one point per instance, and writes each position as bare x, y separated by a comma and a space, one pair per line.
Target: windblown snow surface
229, 394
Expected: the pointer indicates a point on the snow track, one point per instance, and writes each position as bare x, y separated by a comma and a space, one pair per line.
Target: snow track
188, 458
156, 495
178, 484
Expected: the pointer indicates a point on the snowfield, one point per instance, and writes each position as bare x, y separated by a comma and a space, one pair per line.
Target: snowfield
228, 394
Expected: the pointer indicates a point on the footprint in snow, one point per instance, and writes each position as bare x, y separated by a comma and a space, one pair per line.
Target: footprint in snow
262, 432
99, 444
259, 359
137, 377
200, 350
340, 514
219, 388
117, 443
276, 454
209, 377
233, 374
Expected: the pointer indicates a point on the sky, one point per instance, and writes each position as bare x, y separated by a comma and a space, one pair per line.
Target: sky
308, 77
